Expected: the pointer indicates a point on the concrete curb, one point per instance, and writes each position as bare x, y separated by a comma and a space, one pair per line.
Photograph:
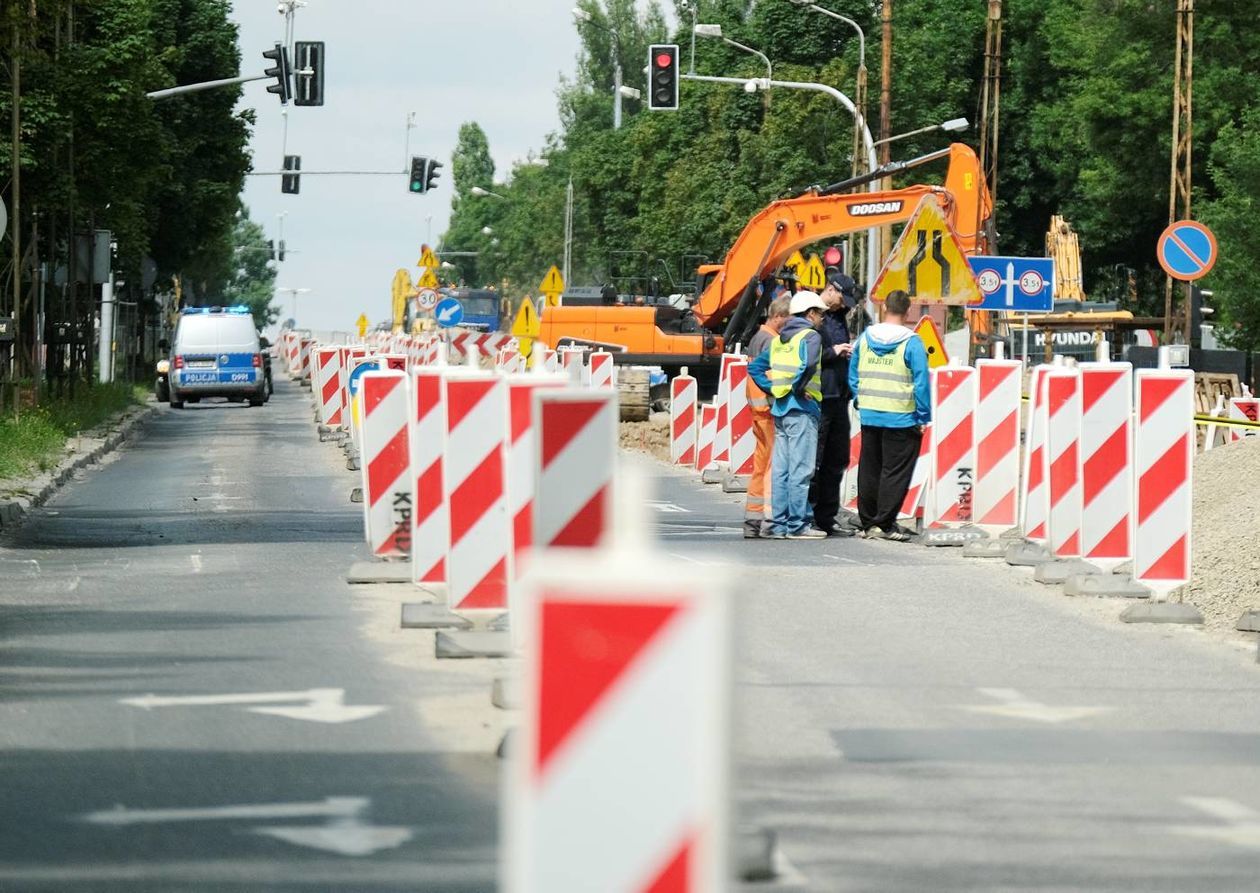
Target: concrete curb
94, 446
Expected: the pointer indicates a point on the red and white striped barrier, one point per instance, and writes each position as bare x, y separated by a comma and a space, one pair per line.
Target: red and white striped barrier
1035, 505
571, 360
743, 441
509, 361
577, 448
396, 362
997, 442
1164, 453
304, 358
385, 463
295, 356
550, 359
522, 449
428, 498
683, 420
1063, 461
603, 371
707, 434
849, 481
479, 555
328, 385
625, 703
1243, 409
920, 478
1106, 463
722, 434
954, 392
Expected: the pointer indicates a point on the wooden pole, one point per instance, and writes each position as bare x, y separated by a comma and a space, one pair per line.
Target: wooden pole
15, 66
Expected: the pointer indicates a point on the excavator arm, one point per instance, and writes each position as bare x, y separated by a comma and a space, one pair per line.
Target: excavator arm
786, 225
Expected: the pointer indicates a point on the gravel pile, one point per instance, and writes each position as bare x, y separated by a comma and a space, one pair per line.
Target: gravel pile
1226, 538
651, 437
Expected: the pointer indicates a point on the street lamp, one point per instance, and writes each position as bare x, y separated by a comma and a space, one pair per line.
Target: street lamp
953, 125
703, 30
294, 292
582, 17
482, 193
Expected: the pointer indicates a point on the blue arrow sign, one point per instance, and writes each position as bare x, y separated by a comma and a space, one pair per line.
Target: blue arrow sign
1019, 284
352, 383
449, 312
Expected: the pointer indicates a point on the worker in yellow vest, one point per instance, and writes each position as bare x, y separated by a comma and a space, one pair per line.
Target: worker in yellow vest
888, 376
757, 501
789, 372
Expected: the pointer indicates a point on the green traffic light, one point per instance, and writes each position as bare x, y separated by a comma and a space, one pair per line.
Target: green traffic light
415, 187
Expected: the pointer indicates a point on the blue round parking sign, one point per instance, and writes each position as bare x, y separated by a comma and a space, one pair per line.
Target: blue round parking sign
448, 312
1186, 250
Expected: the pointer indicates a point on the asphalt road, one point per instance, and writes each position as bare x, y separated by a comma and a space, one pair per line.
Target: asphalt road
206, 560
905, 719
911, 720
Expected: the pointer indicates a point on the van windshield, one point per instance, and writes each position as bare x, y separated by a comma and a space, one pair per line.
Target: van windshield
480, 305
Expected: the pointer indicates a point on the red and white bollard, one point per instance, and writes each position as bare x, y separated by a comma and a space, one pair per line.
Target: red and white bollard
996, 493
603, 371
385, 463
1106, 463
428, 443
479, 553
920, 478
1164, 452
626, 696
743, 441
954, 392
577, 445
683, 421
328, 385
1243, 409
304, 358
522, 460
707, 434
722, 433
849, 482
1063, 461
1035, 507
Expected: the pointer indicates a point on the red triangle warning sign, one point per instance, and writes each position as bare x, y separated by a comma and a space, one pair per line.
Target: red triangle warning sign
584, 648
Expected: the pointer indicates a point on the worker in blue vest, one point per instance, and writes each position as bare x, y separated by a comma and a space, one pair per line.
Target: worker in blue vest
888, 375
788, 370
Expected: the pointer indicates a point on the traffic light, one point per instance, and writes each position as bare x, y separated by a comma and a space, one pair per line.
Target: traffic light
291, 184
281, 72
431, 176
1200, 313
663, 77
271, 249
281, 257
419, 174
308, 72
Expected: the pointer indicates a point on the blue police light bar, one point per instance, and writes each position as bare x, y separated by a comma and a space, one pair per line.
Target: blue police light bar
240, 309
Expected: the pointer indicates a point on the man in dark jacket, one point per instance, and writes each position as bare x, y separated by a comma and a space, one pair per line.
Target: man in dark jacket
833, 425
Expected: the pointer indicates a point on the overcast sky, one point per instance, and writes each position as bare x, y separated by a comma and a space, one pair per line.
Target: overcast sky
496, 62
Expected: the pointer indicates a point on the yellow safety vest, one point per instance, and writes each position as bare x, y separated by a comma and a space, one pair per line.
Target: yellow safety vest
884, 382
785, 363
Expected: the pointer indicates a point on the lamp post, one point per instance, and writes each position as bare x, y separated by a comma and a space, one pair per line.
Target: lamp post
581, 16
953, 125
716, 31
294, 292
483, 193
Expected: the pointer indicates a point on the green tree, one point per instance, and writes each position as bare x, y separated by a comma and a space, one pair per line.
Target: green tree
253, 279
1235, 280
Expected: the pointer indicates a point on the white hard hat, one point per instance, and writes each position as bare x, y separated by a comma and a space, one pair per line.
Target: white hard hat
806, 300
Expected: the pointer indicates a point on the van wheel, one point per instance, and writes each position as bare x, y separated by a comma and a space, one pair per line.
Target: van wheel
177, 404
257, 401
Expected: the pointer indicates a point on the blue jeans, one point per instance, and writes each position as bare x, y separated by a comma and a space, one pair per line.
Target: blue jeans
791, 469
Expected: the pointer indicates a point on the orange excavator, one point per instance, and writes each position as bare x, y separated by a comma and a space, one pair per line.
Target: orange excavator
730, 300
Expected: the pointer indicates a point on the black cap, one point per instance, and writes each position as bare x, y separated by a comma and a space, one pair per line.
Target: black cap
843, 284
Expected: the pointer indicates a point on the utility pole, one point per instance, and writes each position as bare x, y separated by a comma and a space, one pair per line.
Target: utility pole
885, 112
15, 65
1179, 185
991, 100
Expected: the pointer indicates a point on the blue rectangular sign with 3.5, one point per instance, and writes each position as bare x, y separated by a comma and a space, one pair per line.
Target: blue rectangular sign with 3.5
1020, 284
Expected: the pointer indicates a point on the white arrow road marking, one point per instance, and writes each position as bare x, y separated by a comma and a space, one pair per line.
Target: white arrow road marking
1017, 706
669, 507
346, 837
1241, 823
345, 832
329, 807
326, 705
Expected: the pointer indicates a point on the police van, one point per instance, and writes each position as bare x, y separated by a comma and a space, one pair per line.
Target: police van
216, 354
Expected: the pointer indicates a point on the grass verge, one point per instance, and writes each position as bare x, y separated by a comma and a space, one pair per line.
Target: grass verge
36, 440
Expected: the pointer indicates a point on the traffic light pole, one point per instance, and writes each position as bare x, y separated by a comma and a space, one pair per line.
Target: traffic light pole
205, 85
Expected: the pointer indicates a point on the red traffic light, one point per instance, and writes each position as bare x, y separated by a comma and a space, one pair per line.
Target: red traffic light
664, 60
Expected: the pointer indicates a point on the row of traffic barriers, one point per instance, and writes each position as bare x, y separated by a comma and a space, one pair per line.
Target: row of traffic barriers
1088, 478
493, 503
